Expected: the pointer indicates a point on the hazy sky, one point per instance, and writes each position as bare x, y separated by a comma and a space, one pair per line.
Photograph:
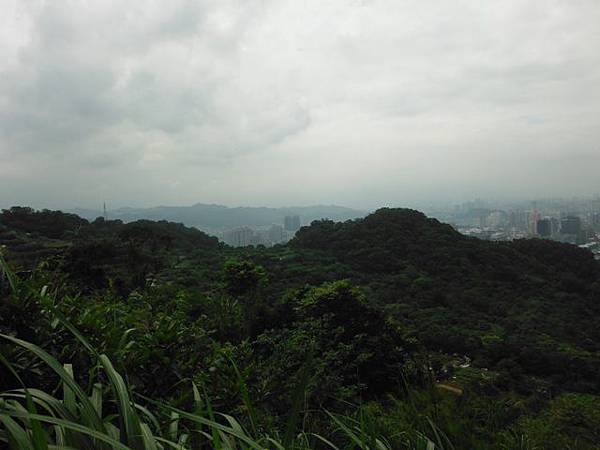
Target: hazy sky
360, 103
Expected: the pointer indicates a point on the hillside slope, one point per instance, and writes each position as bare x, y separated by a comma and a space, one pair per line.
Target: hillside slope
530, 305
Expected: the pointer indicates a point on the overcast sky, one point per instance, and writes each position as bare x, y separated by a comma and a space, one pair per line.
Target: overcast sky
360, 103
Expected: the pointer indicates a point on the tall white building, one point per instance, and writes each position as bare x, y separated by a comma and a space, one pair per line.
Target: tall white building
291, 223
275, 234
239, 237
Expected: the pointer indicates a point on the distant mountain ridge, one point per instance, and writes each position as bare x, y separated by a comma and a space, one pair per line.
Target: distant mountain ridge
212, 216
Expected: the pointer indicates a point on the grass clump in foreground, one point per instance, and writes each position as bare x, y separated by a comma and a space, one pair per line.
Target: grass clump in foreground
104, 413
107, 417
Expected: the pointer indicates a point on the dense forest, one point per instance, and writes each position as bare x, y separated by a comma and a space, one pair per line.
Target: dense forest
392, 331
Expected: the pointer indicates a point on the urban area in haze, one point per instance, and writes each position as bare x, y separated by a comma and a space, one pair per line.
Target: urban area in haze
300, 225
575, 221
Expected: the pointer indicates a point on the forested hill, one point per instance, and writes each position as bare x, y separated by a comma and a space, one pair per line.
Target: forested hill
96, 254
48, 224
531, 306
392, 239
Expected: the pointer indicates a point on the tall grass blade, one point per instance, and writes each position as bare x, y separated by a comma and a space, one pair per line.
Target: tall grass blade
17, 436
38, 436
60, 318
237, 432
8, 273
174, 426
148, 438
244, 393
326, 441
51, 404
298, 399
346, 430
89, 415
68, 395
10, 368
442, 440
96, 398
130, 431
71, 426
216, 437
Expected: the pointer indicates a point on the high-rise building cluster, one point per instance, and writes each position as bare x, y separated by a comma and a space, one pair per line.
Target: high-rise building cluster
267, 236
575, 221
239, 237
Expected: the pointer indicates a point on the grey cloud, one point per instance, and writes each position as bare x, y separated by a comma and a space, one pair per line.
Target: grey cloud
291, 102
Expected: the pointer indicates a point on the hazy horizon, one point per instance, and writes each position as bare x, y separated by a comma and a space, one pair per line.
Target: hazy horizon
510, 203
354, 103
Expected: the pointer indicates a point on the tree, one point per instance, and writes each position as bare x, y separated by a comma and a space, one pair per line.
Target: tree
356, 349
242, 280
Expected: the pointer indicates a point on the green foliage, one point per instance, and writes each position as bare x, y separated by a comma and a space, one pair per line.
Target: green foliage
529, 303
242, 277
51, 224
77, 421
393, 325
358, 350
570, 421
